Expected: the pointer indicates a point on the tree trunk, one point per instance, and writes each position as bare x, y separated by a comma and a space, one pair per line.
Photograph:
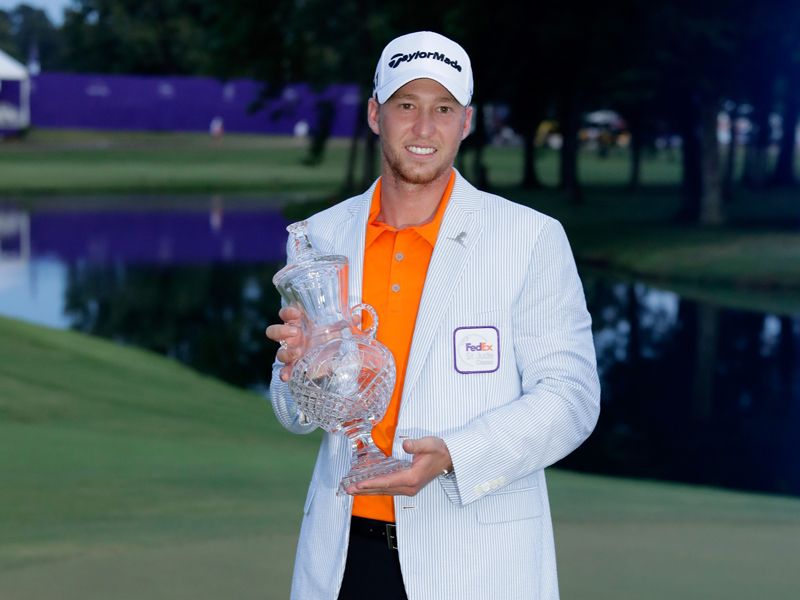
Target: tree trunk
352, 155
789, 353
369, 158
480, 137
784, 168
691, 156
530, 178
635, 176
706, 361
711, 200
321, 133
756, 151
730, 159
569, 123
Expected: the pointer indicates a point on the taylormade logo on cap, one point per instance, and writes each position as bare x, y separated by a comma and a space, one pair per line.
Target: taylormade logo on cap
424, 55
400, 57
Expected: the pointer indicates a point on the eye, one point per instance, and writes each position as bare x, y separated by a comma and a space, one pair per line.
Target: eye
406, 105
445, 109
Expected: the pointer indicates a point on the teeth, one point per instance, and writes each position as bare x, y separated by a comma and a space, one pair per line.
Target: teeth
421, 150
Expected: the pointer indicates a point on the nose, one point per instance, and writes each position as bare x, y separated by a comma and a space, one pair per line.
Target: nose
424, 124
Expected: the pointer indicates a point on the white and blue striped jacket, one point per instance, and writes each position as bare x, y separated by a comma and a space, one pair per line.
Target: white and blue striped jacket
485, 533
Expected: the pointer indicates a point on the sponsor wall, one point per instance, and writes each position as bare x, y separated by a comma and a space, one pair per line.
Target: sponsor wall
176, 103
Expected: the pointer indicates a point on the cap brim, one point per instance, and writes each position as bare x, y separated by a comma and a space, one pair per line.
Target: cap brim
461, 95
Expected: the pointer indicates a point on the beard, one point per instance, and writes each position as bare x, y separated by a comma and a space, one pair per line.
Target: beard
415, 174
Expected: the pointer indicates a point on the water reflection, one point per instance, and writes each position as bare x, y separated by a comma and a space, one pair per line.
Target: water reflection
187, 283
691, 392
211, 317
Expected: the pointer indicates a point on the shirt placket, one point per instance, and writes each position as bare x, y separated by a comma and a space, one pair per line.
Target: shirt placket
396, 273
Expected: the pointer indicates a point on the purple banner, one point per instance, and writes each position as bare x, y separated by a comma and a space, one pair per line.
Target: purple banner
174, 103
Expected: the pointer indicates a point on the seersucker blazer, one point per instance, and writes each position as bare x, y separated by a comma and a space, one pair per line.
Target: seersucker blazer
501, 269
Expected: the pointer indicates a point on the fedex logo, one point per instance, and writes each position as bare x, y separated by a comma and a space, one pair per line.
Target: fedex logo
476, 349
481, 347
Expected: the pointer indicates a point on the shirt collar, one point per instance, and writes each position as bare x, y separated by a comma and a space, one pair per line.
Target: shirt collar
428, 231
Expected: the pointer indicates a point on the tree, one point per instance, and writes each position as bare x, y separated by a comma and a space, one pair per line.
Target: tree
26, 31
137, 36
788, 95
8, 43
698, 47
287, 41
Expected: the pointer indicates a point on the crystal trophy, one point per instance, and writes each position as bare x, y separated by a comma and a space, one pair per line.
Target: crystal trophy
344, 379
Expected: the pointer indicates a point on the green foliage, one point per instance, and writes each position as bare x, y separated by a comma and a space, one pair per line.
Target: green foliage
7, 42
137, 36
25, 30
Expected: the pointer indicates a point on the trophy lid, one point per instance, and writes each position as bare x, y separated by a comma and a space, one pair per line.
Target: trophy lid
303, 259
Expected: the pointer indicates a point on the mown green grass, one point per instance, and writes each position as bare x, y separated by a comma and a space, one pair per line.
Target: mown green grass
124, 475
97, 162
109, 452
63, 162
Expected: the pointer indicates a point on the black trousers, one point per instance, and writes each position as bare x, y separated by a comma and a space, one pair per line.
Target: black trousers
372, 569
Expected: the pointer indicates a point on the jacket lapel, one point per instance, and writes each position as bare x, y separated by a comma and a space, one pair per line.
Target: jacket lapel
350, 236
460, 230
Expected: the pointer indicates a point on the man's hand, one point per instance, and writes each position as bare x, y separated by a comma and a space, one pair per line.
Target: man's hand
431, 458
290, 336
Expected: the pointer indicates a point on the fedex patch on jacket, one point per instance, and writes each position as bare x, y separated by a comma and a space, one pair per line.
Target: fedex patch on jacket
476, 349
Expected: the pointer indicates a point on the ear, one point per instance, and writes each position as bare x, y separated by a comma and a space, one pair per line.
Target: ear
467, 123
373, 111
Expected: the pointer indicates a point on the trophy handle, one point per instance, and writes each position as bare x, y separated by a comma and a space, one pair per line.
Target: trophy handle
363, 306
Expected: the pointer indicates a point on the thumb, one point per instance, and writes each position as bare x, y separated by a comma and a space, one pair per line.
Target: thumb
423, 444
411, 446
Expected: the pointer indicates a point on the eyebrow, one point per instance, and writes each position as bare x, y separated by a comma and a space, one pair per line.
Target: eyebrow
415, 97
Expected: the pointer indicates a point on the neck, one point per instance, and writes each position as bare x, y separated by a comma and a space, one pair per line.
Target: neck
406, 204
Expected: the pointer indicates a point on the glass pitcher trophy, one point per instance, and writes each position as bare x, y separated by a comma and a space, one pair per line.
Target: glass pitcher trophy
344, 379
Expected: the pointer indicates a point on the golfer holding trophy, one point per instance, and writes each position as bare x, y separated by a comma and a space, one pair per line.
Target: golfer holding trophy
439, 335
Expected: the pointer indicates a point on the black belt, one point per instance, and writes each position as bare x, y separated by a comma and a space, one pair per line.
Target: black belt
374, 529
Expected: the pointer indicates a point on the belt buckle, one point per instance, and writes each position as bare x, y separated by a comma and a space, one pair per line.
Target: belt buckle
391, 536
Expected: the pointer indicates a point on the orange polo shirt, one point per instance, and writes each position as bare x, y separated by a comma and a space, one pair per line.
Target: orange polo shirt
395, 265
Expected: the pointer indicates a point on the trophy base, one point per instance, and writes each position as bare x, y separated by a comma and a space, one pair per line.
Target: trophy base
371, 466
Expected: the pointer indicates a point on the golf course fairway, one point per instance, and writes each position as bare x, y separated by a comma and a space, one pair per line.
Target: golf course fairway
124, 475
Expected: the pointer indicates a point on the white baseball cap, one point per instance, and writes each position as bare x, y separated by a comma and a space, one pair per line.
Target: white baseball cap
423, 54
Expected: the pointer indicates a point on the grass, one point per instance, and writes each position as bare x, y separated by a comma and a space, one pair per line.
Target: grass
111, 454
110, 163
124, 475
752, 262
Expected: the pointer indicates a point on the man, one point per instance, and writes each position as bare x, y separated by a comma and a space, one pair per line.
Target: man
480, 303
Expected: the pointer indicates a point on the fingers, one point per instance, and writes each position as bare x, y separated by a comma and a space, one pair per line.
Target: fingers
412, 446
290, 314
289, 355
403, 483
423, 445
289, 335
425, 467
285, 332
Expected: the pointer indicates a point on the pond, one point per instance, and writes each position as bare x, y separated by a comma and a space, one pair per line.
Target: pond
691, 392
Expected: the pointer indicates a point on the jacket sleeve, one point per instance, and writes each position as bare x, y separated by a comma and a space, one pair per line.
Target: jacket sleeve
560, 400
283, 403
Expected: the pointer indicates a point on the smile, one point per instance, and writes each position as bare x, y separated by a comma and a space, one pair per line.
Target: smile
420, 149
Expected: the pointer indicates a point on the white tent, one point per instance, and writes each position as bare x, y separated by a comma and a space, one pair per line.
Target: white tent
11, 116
